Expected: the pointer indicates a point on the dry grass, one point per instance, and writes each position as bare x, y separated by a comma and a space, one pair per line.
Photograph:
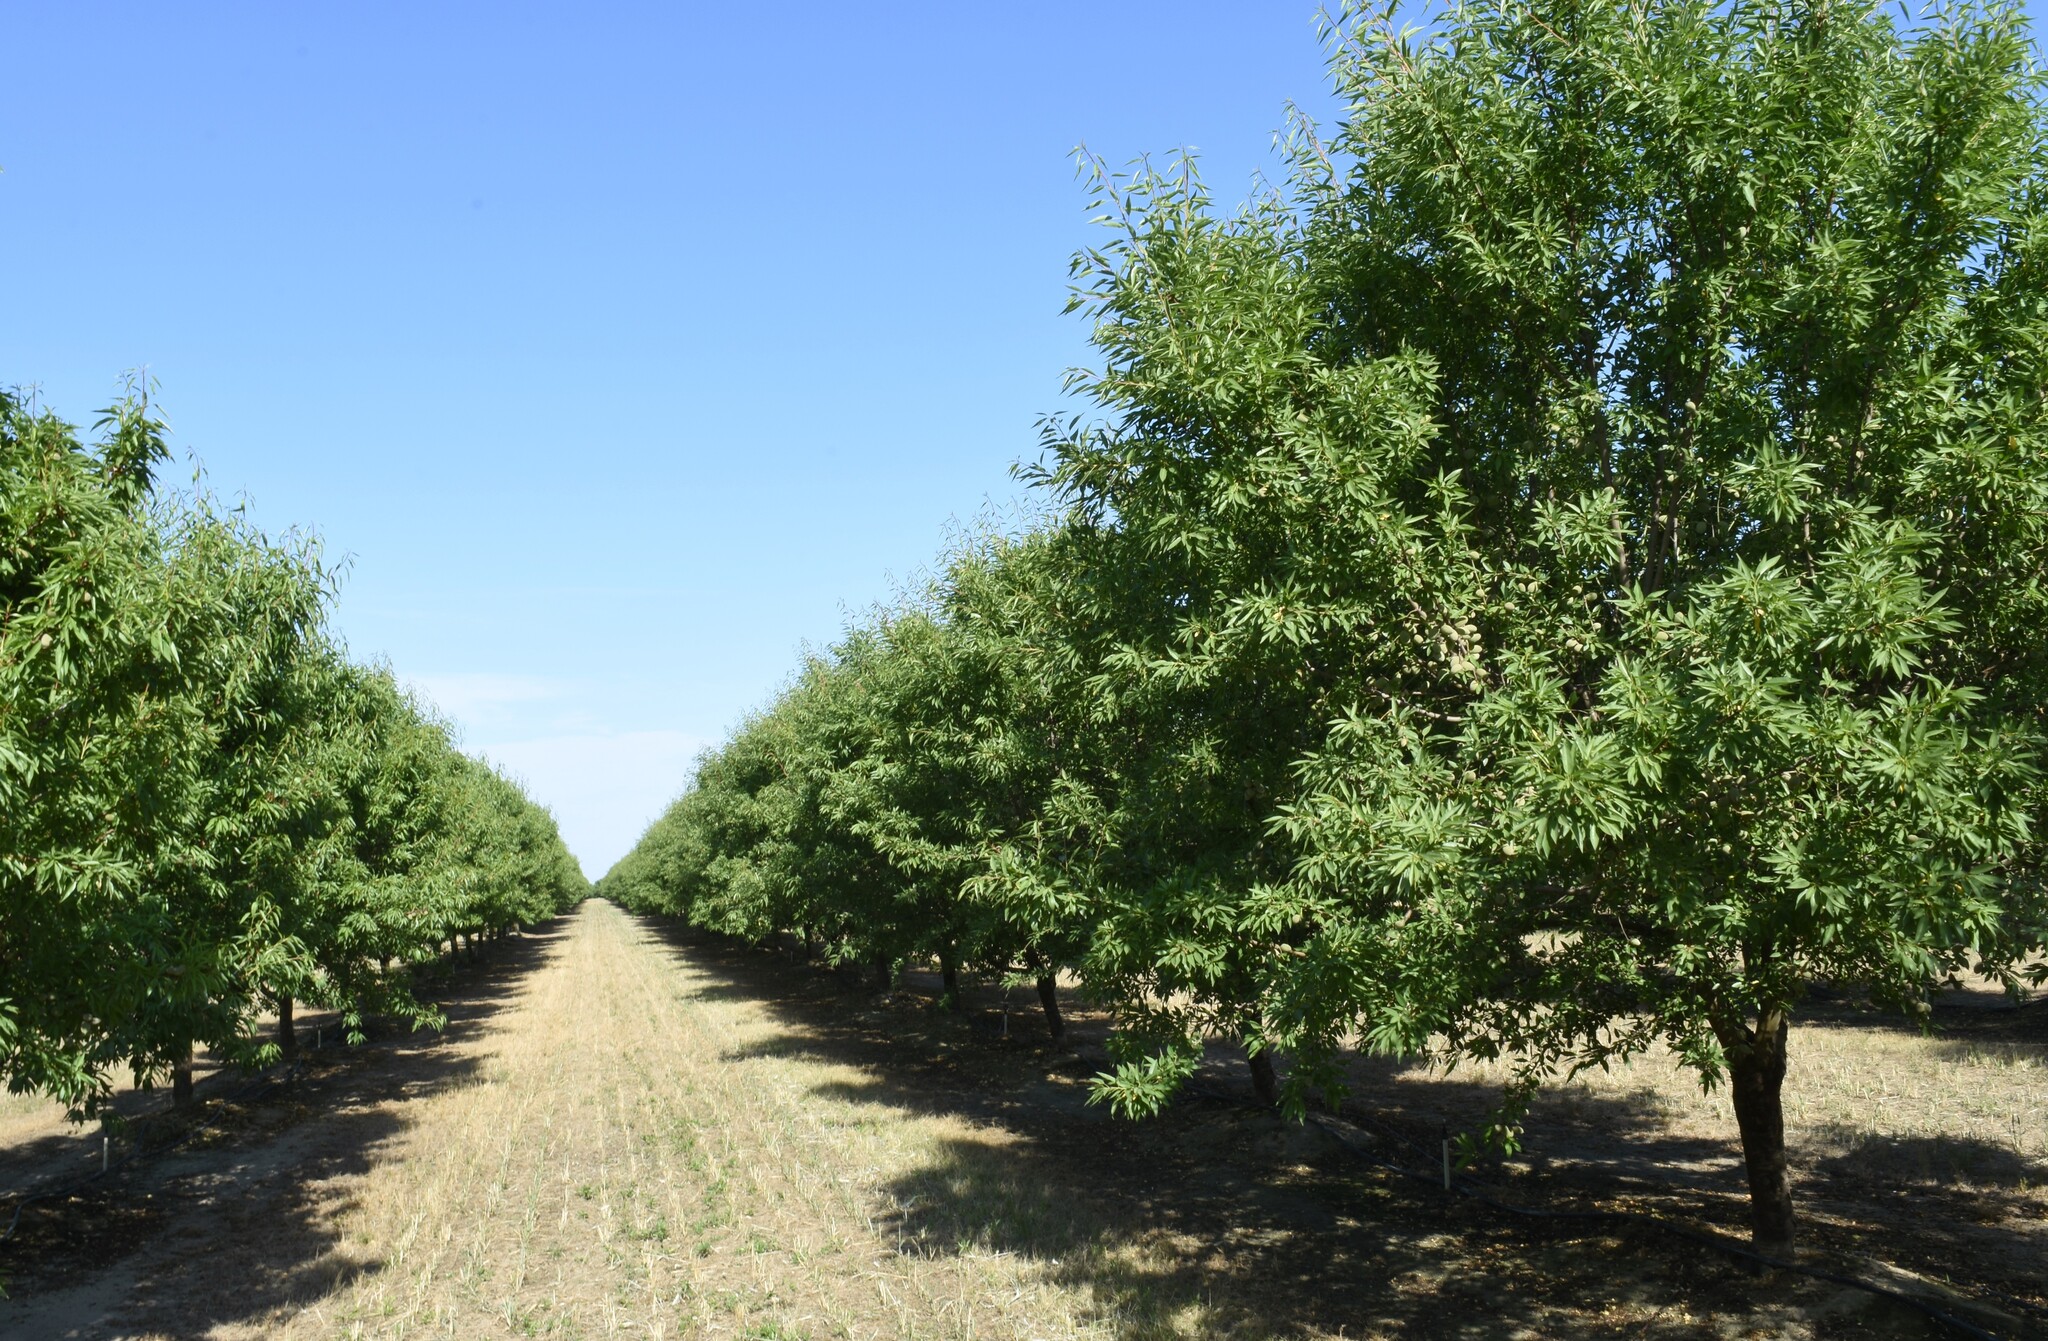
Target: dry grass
638, 1154
628, 1131
25, 1115
1926, 1151
1850, 1088
656, 1144
16, 1106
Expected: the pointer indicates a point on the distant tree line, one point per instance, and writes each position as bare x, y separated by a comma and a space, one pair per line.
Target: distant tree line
207, 811
1564, 575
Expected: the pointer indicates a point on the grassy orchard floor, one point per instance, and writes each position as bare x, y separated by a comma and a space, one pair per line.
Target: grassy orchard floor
631, 1131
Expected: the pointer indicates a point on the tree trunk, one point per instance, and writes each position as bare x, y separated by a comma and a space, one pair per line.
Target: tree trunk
1049, 997
1756, 1081
884, 980
1265, 1081
181, 1081
949, 979
287, 1035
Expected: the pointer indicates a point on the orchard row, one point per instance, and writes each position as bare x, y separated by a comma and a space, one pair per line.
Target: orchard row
207, 811
1564, 575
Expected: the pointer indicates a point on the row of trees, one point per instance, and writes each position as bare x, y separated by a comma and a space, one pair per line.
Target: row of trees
1565, 575
206, 810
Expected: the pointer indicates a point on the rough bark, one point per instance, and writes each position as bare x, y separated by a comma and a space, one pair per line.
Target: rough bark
949, 979
1756, 1081
287, 1034
181, 1080
1049, 997
1265, 1081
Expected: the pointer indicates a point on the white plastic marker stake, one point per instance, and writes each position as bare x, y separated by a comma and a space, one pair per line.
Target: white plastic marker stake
103, 1153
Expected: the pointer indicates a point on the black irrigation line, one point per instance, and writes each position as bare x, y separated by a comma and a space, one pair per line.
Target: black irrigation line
1462, 1185
191, 1133
291, 1071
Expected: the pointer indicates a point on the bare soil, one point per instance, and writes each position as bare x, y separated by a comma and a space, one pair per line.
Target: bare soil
630, 1128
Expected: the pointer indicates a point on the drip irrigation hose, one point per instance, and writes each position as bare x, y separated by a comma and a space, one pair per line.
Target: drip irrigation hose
1462, 1186
291, 1072
261, 1082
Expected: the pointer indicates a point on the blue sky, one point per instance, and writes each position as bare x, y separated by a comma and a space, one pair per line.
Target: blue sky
623, 349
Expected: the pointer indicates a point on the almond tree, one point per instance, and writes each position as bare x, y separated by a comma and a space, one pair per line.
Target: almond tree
1564, 577
1728, 541
187, 818
1230, 577
1597, 519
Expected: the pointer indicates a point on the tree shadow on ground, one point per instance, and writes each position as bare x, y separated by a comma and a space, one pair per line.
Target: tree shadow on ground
1929, 1164
1954, 1208
1963, 1015
1940, 1204
1215, 1219
237, 1221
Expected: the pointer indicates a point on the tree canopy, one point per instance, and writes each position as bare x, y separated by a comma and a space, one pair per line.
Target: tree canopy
1561, 576
206, 810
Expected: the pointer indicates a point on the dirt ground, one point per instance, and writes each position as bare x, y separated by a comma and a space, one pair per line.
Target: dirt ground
632, 1130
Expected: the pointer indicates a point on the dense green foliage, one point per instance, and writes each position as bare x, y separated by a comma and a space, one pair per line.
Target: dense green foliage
205, 809
1565, 576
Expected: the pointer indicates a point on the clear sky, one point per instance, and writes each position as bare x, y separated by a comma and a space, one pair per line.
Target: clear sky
624, 350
